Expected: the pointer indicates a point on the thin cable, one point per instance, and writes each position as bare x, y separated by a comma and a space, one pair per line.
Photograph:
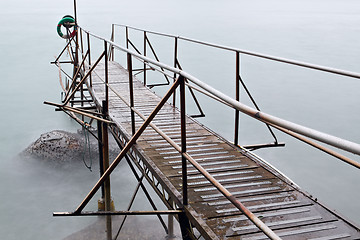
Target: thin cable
87, 146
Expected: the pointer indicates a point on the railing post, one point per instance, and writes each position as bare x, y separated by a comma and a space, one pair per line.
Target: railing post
113, 40
81, 41
83, 65
82, 47
175, 66
145, 56
76, 59
183, 139
106, 73
88, 43
127, 37
237, 87
129, 66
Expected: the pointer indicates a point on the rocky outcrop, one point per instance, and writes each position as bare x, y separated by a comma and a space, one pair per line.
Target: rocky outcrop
61, 147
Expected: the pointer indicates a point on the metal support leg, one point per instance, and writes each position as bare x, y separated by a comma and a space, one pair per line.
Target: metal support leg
105, 145
101, 166
171, 226
185, 227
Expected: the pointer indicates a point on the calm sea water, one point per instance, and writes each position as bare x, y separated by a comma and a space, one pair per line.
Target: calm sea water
324, 32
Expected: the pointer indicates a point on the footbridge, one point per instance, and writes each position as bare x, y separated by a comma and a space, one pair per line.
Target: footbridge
215, 188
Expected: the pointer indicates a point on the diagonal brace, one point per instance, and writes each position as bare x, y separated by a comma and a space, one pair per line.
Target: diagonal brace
83, 79
80, 111
146, 192
126, 149
76, 73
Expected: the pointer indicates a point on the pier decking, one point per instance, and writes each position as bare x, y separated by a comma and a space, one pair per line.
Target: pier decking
280, 204
214, 188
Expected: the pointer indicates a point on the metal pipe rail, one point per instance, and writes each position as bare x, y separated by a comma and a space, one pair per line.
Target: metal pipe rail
254, 54
186, 156
281, 124
274, 121
261, 116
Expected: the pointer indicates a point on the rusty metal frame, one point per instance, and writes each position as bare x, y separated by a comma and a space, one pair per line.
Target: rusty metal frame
146, 40
239, 80
69, 96
263, 56
126, 213
163, 189
176, 64
124, 151
130, 150
76, 74
186, 157
201, 112
140, 184
64, 49
82, 112
155, 184
146, 43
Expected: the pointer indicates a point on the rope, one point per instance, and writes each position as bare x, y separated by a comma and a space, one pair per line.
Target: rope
87, 145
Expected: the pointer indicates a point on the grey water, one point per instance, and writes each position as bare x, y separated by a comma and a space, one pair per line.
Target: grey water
324, 32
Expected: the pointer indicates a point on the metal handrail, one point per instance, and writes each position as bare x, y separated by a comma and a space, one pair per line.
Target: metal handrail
255, 54
283, 125
180, 82
261, 116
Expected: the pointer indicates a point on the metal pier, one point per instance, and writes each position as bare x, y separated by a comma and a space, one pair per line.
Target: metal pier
284, 208
215, 188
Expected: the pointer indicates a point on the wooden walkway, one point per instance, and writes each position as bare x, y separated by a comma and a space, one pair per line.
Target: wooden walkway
288, 211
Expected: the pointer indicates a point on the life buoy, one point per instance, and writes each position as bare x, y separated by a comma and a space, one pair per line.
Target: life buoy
66, 22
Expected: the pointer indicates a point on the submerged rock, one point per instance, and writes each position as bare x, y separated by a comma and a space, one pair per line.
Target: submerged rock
62, 147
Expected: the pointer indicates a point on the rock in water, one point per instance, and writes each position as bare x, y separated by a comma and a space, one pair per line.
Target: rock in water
59, 146
64, 147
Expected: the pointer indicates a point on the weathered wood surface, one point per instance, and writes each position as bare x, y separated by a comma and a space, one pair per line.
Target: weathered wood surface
291, 213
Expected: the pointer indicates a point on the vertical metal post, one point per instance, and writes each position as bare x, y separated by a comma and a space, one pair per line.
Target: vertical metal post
170, 227
82, 48
105, 148
129, 66
82, 85
127, 37
76, 60
185, 227
101, 159
113, 40
106, 73
237, 87
145, 37
75, 12
81, 41
183, 219
88, 43
175, 65
105, 142
183, 139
